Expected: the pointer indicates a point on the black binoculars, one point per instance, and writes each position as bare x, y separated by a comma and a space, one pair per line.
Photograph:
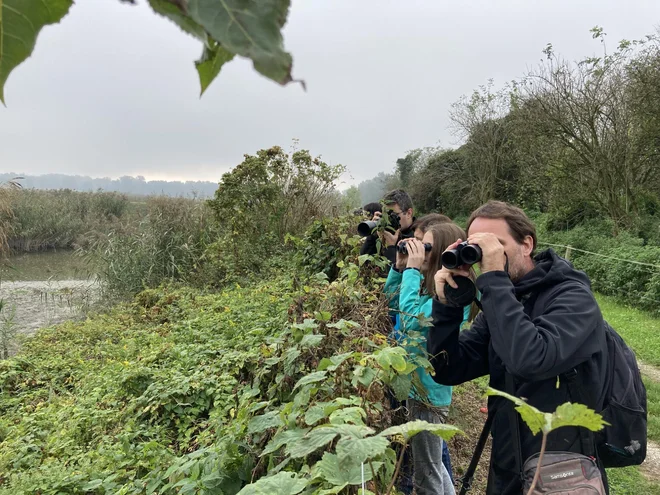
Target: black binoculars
401, 247
463, 254
367, 228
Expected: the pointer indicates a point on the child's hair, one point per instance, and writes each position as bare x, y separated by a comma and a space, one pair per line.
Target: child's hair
444, 235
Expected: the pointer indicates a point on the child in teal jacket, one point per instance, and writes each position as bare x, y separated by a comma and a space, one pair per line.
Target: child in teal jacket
411, 288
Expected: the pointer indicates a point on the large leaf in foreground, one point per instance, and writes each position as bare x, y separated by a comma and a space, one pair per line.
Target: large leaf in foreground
281, 484
250, 29
20, 23
412, 428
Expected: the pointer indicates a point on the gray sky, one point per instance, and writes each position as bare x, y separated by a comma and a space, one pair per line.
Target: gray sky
112, 90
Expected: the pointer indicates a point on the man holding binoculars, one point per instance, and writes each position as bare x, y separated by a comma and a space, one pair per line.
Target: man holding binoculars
398, 225
539, 325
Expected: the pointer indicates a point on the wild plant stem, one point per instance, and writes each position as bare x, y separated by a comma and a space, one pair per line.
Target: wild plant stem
537, 474
373, 477
398, 467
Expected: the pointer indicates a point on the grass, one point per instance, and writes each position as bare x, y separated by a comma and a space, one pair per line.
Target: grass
640, 330
642, 333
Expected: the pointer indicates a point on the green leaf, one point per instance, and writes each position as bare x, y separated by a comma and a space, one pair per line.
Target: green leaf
394, 357
284, 437
401, 385
577, 415
308, 325
92, 485
20, 23
282, 483
208, 67
343, 473
318, 437
170, 9
361, 449
249, 29
311, 340
354, 415
412, 428
364, 375
334, 362
317, 376
319, 411
261, 423
536, 420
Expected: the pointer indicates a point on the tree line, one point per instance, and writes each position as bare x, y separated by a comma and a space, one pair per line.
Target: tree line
577, 140
137, 186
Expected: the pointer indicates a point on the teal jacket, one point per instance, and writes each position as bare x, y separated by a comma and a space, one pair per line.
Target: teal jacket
407, 301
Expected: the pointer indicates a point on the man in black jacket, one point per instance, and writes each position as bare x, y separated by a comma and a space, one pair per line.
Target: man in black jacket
540, 323
398, 202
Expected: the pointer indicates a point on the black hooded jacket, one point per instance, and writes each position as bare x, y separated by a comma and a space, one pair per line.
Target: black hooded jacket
546, 324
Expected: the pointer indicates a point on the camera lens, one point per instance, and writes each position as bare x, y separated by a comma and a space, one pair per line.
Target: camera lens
365, 228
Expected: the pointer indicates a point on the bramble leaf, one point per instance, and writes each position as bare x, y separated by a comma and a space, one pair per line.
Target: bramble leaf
315, 439
343, 473
314, 377
536, 420
20, 23
412, 428
209, 65
361, 449
577, 415
283, 483
261, 423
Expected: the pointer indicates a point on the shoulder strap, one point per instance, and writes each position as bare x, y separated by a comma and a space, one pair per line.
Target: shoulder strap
578, 396
514, 423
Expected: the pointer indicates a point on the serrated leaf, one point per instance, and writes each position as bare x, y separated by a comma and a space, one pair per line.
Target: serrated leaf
354, 415
361, 449
307, 325
283, 483
364, 375
172, 11
314, 377
401, 386
261, 423
332, 363
20, 23
249, 29
319, 411
315, 439
412, 428
392, 357
343, 473
577, 415
209, 65
284, 437
536, 420
311, 340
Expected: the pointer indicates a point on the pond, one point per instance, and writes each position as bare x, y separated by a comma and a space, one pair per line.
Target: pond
42, 289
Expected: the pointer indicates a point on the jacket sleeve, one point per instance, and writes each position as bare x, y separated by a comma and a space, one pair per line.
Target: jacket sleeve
457, 357
392, 290
411, 303
550, 344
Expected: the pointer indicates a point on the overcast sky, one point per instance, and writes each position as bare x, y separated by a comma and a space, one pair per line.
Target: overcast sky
112, 90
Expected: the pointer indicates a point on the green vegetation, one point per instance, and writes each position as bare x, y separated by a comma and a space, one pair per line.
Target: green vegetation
225, 28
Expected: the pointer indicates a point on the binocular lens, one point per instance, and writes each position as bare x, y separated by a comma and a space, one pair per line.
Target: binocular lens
471, 254
450, 258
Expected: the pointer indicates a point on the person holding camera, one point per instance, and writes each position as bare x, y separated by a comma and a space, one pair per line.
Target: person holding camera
397, 225
411, 288
540, 336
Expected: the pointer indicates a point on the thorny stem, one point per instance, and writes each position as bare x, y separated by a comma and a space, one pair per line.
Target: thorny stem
398, 467
537, 474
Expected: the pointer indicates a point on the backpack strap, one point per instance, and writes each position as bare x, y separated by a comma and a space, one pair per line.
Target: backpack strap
468, 477
578, 396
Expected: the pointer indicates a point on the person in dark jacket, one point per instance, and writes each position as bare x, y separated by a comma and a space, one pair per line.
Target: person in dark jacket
397, 201
540, 323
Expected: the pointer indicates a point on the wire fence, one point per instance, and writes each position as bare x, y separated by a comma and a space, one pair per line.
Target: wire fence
611, 291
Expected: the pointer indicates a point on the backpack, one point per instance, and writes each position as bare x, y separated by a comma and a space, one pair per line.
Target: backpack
565, 473
623, 442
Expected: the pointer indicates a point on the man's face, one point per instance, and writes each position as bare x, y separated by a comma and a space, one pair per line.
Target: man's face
405, 217
518, 254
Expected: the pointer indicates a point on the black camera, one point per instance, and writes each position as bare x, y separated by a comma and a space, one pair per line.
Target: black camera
401, 247
463, 254
366, 228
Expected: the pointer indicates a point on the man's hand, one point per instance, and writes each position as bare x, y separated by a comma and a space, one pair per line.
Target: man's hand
416, 253
493, 258
390, 238
445, 276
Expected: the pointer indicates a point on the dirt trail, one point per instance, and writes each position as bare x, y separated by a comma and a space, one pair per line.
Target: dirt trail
650, 468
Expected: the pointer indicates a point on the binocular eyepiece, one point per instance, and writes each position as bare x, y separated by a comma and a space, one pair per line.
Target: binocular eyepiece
463, 254
401, 247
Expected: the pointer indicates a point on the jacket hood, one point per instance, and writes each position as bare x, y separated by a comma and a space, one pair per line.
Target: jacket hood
551, 269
